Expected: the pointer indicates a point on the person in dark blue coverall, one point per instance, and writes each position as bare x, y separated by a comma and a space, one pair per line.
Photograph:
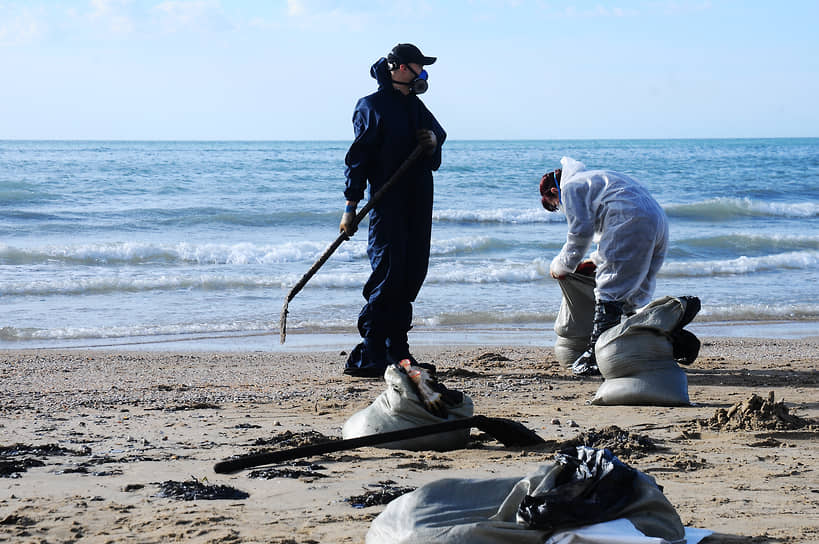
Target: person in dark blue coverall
388, 125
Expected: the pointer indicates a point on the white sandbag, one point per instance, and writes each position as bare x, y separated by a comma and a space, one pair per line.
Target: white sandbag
667, 387
567, 350
457, 511
634, 352
475, 511
573, 325
621, 531
636, 358
398, 408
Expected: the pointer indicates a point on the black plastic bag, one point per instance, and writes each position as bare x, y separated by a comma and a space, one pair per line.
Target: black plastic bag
686, 345
593, 486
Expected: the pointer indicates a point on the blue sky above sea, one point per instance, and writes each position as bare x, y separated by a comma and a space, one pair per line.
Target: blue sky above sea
507, 69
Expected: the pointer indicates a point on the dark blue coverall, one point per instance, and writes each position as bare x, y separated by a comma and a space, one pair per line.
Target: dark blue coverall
385, 124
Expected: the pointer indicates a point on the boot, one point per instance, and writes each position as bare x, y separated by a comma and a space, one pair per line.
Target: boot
606, 315
367, 360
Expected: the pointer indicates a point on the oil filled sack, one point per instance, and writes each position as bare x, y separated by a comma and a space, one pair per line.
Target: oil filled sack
638, 358
511, 510
399, 407
573, 325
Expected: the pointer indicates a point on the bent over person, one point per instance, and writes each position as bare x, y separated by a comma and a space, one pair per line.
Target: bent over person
632, 232
388, 125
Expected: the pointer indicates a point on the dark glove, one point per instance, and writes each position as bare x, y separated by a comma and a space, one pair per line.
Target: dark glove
347, 225
586, 268
426, 138
425, 386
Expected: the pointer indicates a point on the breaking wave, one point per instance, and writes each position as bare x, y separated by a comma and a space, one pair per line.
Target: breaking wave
749, 313
498, 215
727, 208
794, 260
137, 253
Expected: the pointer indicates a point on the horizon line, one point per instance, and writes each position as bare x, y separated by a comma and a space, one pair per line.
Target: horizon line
260, 140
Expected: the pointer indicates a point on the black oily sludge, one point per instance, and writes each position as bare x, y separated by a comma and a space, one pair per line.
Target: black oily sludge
13, 468
193, 490
44, 450
292, 470
18, 458
383, 493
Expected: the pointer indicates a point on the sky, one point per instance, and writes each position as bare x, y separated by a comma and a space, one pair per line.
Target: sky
506, 69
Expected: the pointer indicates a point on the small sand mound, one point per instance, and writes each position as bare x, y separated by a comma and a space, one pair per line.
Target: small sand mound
622, 443
684, 462
459, 373
491, 357
755, 414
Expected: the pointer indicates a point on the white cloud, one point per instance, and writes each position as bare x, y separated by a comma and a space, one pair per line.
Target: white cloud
112, 15
21, 27
684, 7
324, 14
599, 10
178, 15
296, 8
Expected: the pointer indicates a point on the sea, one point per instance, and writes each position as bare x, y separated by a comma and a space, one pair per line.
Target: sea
177, 245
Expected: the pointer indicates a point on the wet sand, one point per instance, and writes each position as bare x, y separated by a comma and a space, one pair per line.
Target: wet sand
98, 432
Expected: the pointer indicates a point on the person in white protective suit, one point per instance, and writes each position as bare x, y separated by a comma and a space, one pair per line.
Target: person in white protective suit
631, 230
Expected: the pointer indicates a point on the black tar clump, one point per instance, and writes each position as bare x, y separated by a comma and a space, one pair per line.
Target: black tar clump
193, 490
385, 492
14, 458
44, 450
308, 470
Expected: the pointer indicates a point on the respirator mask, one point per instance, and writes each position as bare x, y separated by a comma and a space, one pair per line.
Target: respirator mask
418, 85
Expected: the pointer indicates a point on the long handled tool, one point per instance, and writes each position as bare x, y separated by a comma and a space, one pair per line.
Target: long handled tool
509, 433
417, 152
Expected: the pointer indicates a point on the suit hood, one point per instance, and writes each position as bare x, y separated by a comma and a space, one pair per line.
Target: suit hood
379, 72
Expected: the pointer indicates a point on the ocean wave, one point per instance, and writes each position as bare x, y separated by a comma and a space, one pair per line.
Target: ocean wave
158, 280
169, 331
708, 314
447, 273
794, 260
137, 253
115, 284
22, 193
468, 244
11, 334
758, 312
485, 272
497, 215
134, 253
740, 313
340, 276
229, 217
486, 318
727, 208
753, 242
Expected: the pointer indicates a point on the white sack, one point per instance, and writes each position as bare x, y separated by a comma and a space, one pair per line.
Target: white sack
567, 350
574, 322
398, 408
476, 511
636, 358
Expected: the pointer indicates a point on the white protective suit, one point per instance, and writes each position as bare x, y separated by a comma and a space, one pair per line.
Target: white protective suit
630, 227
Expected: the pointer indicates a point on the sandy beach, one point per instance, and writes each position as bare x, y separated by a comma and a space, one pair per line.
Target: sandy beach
91, 440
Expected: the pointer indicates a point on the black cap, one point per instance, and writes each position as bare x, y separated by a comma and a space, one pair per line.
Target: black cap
406, 53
